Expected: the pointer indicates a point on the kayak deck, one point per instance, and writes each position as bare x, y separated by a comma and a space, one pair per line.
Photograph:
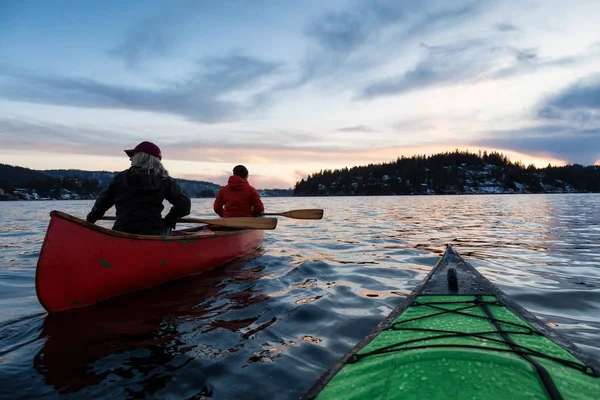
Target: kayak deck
458, 337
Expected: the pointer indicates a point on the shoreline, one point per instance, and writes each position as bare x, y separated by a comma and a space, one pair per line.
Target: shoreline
346, 195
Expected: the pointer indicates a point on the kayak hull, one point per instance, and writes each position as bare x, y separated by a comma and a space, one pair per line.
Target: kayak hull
82, 264
457, 336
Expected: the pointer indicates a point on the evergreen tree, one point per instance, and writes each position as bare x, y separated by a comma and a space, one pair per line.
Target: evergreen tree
450, 172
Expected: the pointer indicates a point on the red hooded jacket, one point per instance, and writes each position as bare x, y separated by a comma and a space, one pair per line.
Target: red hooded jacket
238, 199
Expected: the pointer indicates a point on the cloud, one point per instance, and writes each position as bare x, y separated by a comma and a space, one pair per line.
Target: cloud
300, 174
506, 27
578, 118
269, 148
550, 112
562, 142
583, 94
357, 128
526, 54
258, 181
147, 39
341, 31
345, 31
156, 35
442, 18
570, 120
268, 182
221, 146
25, 135
527, 61
219, 179
442, 65
354, 39
425, 123
464, 61
577, 105
202, 97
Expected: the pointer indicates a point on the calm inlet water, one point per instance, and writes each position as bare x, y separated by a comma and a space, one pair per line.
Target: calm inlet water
268, 325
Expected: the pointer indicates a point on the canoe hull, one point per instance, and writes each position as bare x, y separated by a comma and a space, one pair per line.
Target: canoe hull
82, 264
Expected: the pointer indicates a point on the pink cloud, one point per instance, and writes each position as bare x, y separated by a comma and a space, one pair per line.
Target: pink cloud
269, 167
269, 182
219, 179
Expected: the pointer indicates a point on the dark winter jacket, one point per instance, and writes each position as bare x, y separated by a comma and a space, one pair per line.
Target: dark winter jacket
138, 198
238, 199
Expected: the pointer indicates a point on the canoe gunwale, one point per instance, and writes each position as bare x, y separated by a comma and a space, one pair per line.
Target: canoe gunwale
420, 290
107, 231
62, 226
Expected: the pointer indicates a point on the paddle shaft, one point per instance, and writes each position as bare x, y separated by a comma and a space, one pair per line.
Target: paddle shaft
237, 222
312, 213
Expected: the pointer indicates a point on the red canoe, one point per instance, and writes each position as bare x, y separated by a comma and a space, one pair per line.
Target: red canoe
82, 263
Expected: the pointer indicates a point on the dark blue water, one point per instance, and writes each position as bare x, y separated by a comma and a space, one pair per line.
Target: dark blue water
268, 325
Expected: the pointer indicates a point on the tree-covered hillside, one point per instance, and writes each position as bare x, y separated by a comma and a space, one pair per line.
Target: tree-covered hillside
18, 183
190, 187
28, 184
458, 172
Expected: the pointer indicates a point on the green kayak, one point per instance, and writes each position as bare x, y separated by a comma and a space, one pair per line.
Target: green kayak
457, 336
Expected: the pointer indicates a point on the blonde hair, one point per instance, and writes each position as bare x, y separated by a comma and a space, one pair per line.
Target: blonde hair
149, 163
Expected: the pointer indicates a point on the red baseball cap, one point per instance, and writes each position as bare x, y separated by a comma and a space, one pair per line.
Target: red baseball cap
145, 147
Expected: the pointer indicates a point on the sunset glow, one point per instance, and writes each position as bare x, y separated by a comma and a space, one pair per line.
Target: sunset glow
292, 89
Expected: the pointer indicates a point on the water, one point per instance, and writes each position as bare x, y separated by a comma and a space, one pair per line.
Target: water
268, 325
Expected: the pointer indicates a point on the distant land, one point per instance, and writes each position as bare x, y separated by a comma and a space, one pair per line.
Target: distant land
19, 183
455, 172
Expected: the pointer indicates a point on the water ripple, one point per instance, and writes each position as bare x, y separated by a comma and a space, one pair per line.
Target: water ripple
267, 325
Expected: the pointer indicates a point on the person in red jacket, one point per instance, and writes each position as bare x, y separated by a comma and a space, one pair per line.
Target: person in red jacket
238, 198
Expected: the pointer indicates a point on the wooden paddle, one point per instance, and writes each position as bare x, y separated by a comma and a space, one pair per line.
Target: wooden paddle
237, 222
313, 213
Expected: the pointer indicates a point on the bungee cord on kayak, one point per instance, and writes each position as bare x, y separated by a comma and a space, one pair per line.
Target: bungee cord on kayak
444, 334
458, 336
474, 303
542, 372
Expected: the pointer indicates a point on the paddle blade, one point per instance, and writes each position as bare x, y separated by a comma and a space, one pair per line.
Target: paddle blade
313, 213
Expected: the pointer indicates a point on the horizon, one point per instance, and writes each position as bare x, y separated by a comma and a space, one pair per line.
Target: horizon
479, 153
290, 89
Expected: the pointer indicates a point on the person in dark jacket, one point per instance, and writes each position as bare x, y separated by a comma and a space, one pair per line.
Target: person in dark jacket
138, 194
238, 198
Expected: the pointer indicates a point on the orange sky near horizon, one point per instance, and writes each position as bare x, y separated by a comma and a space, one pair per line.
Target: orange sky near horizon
269, 168
292, 90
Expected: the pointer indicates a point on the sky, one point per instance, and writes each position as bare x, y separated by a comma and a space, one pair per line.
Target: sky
289, 88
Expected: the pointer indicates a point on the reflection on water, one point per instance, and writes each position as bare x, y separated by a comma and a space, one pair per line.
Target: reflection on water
140, 336
267, 325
